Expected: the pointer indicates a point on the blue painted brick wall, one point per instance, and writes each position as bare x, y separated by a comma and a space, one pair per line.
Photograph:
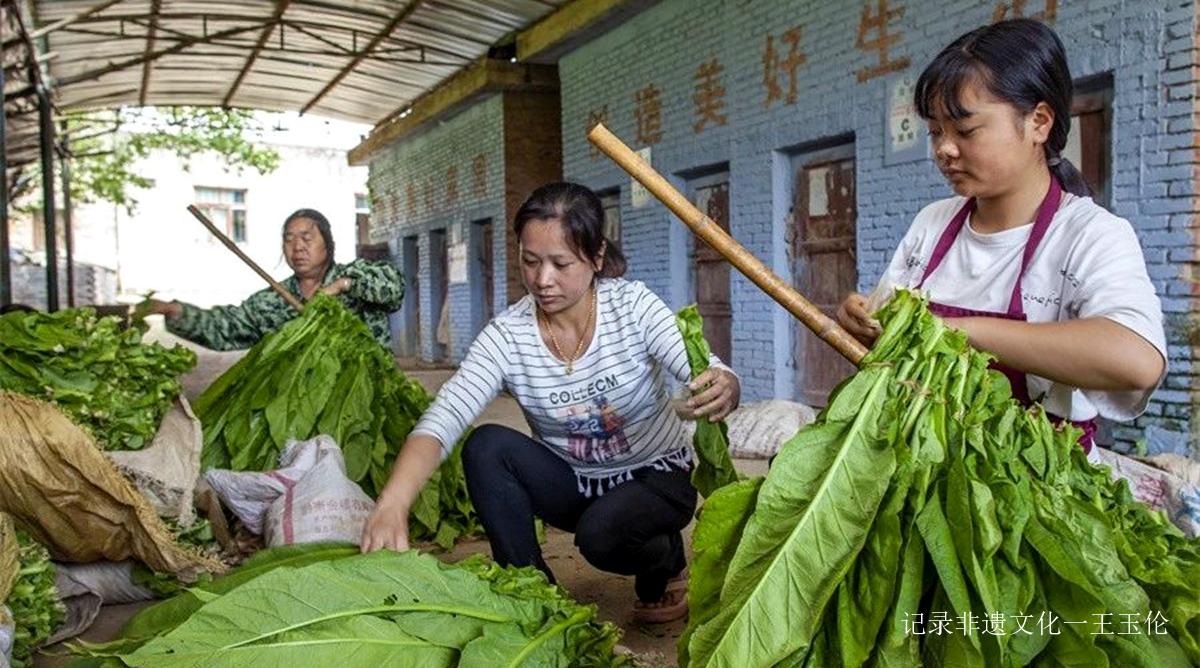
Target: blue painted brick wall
1147, 46
424, 161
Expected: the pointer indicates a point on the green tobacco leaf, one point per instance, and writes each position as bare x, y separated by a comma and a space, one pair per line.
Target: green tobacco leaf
324, 373
716, 536
380, 583
714, 467
164, 616
384, 608
354, 641
104, 378
810, 521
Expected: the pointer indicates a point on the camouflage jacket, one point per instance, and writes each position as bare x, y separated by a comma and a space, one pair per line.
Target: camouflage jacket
376, 289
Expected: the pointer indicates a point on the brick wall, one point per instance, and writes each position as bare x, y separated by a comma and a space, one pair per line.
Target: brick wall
477, 165
93, 284
533, 157
668, 52
444, 177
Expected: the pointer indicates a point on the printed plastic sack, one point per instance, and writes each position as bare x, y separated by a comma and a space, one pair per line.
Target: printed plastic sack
1175, 490
309, 498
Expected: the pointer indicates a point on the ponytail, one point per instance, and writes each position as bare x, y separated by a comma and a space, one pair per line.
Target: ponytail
1069, 177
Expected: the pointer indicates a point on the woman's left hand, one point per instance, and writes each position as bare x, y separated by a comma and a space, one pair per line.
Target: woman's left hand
718, 393
337, 287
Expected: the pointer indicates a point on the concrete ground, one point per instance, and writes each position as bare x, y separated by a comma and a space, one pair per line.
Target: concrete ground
611, 594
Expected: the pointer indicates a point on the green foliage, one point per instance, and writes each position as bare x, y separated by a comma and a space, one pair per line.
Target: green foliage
384, 608
925, 490
324, 373
107, 146
104, 378
714, 467
34, 601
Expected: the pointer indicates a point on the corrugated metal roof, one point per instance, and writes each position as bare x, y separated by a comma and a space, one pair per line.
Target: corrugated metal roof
359, 60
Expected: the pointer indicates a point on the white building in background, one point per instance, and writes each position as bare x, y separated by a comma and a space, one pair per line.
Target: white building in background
160, 247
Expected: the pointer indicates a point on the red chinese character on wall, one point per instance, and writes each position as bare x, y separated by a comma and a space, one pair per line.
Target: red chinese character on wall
596, 117
774, 66
411, 195
479, 175
882, 42
1016, 10
648, 113
452, 185
709, 97
393, 208
429, 196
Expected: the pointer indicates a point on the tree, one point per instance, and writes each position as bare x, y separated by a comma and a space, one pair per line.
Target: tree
106, 146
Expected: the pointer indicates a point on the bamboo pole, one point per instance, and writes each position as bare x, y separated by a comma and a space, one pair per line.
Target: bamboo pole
704, 227
283, 292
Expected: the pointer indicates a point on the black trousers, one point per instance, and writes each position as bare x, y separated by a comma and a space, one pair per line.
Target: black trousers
633, 529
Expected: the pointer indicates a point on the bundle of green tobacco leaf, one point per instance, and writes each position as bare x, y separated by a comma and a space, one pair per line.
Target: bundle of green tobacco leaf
714, 467
325, 605
36, 608
926, 518
324, 373
104, 378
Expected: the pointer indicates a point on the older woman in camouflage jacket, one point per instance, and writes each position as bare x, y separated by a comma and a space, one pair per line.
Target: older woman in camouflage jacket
372, 290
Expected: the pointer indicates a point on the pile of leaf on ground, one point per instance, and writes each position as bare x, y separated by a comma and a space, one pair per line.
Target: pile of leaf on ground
926, 519
324, 373
325, 605
33, 600
103, 377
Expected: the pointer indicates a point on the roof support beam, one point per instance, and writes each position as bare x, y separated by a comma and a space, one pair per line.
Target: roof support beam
155, 7
379, 37
280, 7
131, 62
570, 24
61, 23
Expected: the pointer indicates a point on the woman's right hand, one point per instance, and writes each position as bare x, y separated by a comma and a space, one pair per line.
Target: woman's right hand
856, 319
386, 528
159, 307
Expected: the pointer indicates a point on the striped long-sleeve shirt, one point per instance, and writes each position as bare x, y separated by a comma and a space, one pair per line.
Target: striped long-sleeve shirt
610, 416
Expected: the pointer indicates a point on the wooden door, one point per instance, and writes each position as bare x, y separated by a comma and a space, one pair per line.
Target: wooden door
439, 280
711, 271
825, 216
485, 278
412, 298
1090, 140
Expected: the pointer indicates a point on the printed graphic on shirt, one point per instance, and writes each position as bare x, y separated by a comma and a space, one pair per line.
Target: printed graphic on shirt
595, 432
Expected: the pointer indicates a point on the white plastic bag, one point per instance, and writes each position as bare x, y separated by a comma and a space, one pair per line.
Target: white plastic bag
166, 471
8, 630
1164, 483
309, 498
84, 588
757, 430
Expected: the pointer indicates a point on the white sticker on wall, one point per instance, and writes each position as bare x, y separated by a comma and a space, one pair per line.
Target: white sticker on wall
456, 256
638, 195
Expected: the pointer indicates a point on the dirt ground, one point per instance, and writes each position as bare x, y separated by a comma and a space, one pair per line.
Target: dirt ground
612, 594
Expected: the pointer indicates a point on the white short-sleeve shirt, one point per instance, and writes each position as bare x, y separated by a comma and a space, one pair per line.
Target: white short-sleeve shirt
1088, 265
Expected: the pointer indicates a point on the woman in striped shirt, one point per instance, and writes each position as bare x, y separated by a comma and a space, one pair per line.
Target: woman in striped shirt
587, 355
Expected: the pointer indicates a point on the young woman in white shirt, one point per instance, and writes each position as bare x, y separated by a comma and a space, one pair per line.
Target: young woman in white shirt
587, 355
1022, 259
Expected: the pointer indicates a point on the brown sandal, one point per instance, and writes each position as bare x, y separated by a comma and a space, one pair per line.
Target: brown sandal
661, 614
